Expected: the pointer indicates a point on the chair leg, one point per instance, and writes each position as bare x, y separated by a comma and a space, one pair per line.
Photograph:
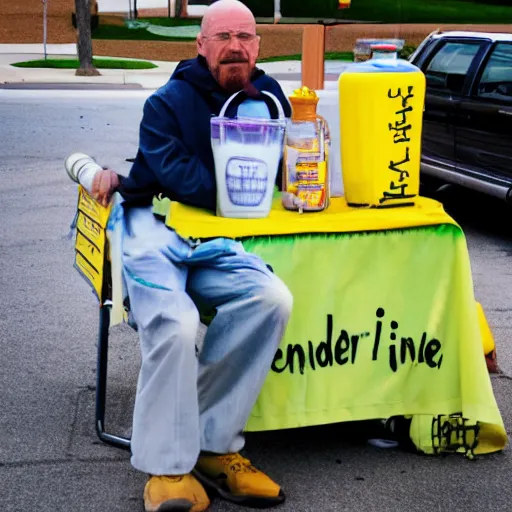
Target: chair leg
101, 383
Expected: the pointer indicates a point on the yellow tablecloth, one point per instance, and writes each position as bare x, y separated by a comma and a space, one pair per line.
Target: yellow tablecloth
384, 321
338, 218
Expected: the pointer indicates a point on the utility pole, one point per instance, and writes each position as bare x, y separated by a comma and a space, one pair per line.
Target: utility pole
45, 25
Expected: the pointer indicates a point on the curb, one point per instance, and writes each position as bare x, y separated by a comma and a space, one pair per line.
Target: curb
67, 86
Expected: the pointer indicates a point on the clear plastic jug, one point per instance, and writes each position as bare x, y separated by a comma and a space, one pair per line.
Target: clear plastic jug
306, 173
247, 152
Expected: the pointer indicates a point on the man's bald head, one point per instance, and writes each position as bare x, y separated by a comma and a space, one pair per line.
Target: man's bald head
229, 43
226, 11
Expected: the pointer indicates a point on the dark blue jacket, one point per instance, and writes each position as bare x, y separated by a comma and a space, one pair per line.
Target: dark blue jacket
175, 156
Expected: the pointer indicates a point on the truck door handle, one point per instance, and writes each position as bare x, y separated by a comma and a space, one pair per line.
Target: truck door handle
505, 112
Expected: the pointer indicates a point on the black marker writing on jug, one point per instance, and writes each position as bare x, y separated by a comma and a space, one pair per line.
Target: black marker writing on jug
401, 129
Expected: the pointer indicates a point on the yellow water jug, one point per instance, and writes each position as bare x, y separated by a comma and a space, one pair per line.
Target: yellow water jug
381, 105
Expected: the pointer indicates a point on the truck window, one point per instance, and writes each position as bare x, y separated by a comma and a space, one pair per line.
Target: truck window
496, 81
452, 60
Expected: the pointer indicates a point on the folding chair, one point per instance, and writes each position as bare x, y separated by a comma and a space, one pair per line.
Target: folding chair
94, 261
101, 380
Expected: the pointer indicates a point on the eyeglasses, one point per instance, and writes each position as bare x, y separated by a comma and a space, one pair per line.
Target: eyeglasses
224, 37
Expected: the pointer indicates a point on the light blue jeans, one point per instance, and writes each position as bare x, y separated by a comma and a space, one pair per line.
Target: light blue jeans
186, 402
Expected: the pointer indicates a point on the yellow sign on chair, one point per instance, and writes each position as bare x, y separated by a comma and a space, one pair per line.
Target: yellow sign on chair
91, 240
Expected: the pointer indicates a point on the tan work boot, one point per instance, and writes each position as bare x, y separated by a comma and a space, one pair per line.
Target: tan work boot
235, 479
175, 494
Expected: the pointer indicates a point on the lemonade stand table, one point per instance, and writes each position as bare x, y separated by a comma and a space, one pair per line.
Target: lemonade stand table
384, 319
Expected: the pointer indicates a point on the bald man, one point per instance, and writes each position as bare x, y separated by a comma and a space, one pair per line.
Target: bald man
191, 410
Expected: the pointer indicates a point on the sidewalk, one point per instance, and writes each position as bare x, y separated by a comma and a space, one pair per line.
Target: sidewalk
287, 72
145, 79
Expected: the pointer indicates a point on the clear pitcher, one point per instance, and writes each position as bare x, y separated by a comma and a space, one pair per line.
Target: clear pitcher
247, 152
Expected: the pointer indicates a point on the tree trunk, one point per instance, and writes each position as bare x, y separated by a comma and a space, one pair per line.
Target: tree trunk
181, 8
177, 8
84, 39
184, 9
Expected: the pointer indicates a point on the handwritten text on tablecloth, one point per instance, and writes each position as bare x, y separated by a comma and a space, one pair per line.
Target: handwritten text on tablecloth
400, 350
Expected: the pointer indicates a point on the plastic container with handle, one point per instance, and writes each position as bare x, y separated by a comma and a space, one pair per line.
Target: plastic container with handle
247, 143
381, 105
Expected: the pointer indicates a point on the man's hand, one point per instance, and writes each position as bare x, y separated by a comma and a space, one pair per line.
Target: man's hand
104, 184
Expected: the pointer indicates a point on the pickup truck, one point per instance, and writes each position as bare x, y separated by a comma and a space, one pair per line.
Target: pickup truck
467, 127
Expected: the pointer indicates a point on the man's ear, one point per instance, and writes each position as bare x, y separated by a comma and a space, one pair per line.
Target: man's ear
200, 45
258, 46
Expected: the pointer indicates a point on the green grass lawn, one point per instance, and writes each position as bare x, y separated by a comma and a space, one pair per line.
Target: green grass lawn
171, 22
393, 11
328, 56
98, 62
125, 33
428, 11
141, 34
